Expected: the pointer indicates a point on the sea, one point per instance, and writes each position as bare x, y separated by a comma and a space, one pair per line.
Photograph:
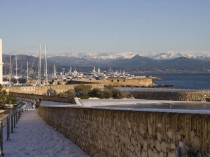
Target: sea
184, 80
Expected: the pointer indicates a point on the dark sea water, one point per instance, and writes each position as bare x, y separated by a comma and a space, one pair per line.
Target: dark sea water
185, 81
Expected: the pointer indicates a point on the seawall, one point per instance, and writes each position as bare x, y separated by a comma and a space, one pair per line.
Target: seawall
125, 133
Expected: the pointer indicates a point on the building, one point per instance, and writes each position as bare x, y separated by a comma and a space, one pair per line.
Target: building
1, 64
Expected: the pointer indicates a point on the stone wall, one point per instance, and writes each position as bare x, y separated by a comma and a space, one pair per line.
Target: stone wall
42, 90
121, 82
45, 97
136, 82
179, 96
124, 133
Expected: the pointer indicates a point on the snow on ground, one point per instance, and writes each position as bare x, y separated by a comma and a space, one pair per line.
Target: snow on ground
34, 138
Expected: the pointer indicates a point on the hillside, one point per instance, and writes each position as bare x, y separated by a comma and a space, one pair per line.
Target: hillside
134, 64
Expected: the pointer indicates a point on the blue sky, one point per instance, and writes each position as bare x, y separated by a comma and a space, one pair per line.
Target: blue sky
75, 26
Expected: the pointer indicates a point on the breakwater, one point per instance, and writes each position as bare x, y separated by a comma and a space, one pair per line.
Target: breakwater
116, 133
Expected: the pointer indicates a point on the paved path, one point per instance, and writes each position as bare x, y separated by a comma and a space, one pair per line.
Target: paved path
34, 138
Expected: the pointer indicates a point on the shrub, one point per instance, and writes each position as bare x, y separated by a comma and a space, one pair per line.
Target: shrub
127, 95
107, 94
11, 99
68, 93
109, 87
82, 87
6, 98
82, 91
117, 94
3, 96
83, 96
96, 92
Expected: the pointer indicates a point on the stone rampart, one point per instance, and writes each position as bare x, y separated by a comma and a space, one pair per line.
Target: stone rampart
42, 90
121, 82
45, 97
124, 133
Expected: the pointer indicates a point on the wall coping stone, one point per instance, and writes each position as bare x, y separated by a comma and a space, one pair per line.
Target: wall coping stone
151, 110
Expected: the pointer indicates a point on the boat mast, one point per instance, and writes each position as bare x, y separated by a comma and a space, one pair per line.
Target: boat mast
46, 76
40, 64
10, 70
27, 73
54, 71
5, 70
16, 67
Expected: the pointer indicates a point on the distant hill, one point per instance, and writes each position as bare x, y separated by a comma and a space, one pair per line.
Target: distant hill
22, 63
137, 63
134, 64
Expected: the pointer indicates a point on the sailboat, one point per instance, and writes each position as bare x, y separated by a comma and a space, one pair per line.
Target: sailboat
16, 68
16, 77
45, 70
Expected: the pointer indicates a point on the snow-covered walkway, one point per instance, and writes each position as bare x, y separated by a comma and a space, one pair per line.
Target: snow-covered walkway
32, 137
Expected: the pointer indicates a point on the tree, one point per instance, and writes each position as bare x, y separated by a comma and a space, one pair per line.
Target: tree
96, 92
117, 94
1, 87
107, 94
6, 98
82, 91
11, 99
127, 95
3, 96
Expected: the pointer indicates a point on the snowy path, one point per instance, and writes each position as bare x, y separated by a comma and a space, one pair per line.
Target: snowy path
34, 138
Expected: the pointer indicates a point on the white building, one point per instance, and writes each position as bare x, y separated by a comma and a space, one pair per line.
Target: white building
1, 64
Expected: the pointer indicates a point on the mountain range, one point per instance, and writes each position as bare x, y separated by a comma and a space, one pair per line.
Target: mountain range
162, 63
129, 55
173, 55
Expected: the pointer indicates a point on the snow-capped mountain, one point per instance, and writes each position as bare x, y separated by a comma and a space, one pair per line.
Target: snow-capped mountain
93, 55
168, 55
125, 55
173, 55
136, 63
129, 55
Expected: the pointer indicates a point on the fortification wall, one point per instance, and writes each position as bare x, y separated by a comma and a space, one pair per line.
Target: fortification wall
45, 97
141, 82
42, 90
156, 95
178, 96
119, 82
124, 133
